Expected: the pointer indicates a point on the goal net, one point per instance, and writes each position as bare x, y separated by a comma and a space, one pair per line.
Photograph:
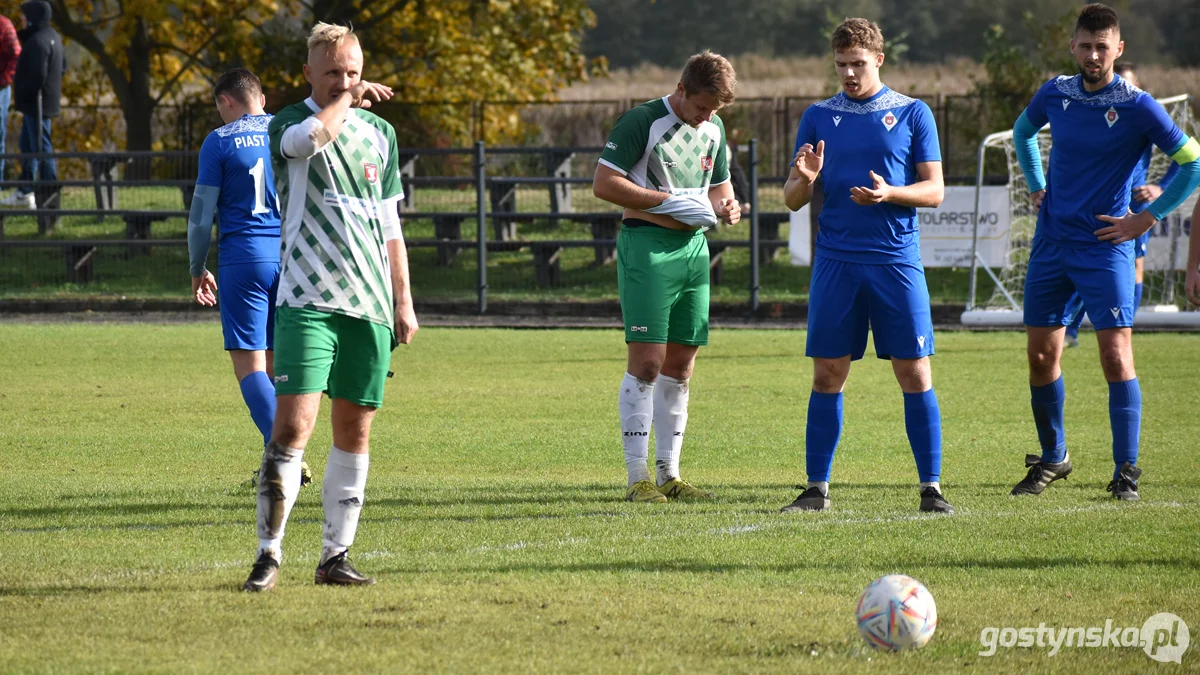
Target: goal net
1163, 301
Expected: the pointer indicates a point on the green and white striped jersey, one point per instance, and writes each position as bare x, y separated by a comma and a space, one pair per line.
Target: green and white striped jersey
657, 150
334, 207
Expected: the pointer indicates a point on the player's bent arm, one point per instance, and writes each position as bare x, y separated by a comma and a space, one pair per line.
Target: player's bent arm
1029, 156
928, 192
797, 191
615, 188
1187, 156
406, 317
200, 220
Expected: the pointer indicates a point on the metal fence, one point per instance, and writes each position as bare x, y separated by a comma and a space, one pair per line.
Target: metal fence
498, 223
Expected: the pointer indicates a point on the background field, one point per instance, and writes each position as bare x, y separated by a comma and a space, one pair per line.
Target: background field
494, 526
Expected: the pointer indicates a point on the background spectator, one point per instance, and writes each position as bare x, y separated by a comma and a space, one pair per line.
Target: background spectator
10, 49
37, 94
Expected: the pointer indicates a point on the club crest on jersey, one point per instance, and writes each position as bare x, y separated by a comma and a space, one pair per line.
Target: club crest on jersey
706, 163
1111, 117
371, 172
889, 120
837, 119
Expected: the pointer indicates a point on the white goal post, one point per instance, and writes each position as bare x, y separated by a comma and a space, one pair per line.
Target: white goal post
1164, 304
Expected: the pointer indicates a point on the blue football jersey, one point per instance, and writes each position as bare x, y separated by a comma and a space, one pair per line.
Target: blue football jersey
237, 159
889, 134
1099, 140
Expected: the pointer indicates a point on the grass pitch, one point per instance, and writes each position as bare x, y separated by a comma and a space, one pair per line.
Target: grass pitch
494, 525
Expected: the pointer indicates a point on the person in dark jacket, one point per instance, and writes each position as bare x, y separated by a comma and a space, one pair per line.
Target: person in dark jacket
37, 94
10, 49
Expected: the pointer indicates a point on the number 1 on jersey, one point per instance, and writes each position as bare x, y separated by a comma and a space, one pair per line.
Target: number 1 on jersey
258, 172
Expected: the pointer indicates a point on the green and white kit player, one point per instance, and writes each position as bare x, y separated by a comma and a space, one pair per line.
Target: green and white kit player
665, 163
343, 302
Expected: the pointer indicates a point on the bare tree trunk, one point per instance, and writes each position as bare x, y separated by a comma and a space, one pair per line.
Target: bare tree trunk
139, 105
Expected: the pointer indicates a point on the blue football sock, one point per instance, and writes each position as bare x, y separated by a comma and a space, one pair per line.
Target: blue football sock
821, 438
1125, 415
1047, 404
923, 422
259, 394
1137, 296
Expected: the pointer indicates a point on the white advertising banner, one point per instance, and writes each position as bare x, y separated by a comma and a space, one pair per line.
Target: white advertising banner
947, 230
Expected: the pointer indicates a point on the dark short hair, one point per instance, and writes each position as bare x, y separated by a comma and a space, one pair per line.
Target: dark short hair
239, 83
856, 33
711, 73
1124, 66
1097, 17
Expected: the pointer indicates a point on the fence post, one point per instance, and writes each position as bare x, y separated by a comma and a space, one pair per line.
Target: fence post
481, 223
754, 203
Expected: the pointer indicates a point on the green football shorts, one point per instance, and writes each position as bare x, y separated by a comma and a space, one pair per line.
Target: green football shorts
339, 355
662, 276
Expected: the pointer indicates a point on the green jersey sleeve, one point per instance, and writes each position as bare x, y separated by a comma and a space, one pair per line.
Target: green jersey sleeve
392, 187
720, 172
627, 142
288, 117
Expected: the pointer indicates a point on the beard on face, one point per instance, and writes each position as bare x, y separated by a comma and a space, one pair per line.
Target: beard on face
1092, 79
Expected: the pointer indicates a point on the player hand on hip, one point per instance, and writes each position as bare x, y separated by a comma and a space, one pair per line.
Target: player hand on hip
1147, 193
729, 210
406, 322
809, 160
364, 92
1192, 285
1126, 228
1036, 198
204, 289
877, 194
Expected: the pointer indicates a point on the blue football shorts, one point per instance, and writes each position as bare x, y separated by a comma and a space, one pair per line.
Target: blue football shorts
846, 299
1102, 274
246, 297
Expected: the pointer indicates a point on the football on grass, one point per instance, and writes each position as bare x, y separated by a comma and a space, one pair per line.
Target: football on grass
896, 612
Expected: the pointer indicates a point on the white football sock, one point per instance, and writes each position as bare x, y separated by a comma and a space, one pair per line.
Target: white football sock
342, 494
822, 485
636, 405
670, 420
278, 485
936, 485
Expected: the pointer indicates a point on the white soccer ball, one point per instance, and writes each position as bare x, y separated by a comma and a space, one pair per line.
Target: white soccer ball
896, 612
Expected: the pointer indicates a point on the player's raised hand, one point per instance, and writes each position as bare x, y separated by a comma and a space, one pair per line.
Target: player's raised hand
1191, 286
809, 160
1147, 193
204, 289
1037, 198
406, 322
364, 92
1126, 228
876, 194
729, 210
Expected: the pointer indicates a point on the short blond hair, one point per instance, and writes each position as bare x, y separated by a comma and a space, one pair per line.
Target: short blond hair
711, 73
330, 36
854, 33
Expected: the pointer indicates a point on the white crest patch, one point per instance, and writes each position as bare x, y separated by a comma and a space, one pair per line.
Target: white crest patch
889, 120
837, 119
1111, 117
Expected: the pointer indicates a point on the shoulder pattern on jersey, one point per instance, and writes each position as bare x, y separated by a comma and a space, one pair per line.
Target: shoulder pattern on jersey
245, 125
1070, 86
890, 100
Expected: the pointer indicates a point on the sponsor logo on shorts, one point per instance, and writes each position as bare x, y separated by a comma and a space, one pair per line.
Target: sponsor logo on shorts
921, 341
1116, 312
639, 329
706, 163
280, 378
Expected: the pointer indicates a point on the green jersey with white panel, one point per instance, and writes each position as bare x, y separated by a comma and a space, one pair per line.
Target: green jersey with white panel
657, 150
334, 250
